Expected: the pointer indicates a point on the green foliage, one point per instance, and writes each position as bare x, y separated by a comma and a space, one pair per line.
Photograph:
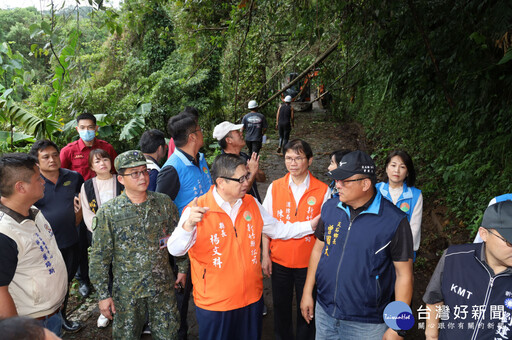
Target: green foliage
460, 150
432, 77
157, 43
216, 151
135, 126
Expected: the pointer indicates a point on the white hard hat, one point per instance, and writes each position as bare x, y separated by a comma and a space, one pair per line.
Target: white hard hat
252, 104
288, 99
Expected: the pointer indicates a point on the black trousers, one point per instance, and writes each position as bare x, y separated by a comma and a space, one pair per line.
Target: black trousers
84, 240
253, 147
284, 280
238, 324
71, 259
284, 134
182, 299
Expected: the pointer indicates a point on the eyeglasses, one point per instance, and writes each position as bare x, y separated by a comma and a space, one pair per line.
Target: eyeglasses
344, 182
239, 180
231, 133
196, 130
296, 160
501, 238
137, 174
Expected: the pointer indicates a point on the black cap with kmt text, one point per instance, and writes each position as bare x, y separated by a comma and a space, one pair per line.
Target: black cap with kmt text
499, 216
353, 163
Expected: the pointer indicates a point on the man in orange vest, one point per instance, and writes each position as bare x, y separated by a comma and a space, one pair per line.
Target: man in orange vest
296, 196
221, 231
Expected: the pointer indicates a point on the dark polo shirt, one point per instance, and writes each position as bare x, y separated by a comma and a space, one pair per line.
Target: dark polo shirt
57, 206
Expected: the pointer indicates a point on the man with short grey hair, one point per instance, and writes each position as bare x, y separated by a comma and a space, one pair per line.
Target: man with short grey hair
221, 231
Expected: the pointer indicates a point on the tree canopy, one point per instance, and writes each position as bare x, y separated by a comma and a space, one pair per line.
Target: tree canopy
428, 76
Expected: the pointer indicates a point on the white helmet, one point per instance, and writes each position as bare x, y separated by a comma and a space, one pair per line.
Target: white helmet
252, 104
288, 99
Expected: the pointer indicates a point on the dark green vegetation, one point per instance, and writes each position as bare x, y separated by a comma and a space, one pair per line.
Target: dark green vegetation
432, 77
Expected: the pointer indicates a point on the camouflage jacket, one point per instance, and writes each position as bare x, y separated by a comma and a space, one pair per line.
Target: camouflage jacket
130, 237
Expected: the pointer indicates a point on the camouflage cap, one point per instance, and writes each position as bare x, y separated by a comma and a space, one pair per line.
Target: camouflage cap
130, 159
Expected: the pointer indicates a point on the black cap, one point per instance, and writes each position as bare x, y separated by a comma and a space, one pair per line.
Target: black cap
353, 163
499, 216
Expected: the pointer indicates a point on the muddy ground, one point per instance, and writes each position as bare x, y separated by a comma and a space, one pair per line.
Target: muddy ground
324, 135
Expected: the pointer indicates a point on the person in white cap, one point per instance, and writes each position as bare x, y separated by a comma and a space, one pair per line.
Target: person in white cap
255, 125
284, 121
231, 140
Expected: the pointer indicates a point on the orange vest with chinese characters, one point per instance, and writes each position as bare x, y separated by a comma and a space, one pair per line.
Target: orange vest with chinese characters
294, 253
225, 259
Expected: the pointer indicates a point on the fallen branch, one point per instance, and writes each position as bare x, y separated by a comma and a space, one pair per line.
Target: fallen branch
199, 65
306, 71
211, 29
335, 81
276, 72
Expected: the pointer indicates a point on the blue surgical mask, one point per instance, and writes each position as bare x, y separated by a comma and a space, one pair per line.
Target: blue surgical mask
87, 135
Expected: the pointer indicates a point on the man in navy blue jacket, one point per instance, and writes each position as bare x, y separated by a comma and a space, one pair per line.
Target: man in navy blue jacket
470, 292
362, 257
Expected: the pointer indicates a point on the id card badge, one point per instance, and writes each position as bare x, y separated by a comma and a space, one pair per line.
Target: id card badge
163, 242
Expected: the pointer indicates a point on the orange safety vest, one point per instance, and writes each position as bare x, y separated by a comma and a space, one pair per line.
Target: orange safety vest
225, 259
294, 253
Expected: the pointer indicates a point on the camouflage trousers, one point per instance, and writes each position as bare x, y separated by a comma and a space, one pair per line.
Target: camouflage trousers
131, 315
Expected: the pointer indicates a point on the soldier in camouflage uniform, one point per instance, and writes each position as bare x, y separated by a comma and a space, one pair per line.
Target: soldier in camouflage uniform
130, 232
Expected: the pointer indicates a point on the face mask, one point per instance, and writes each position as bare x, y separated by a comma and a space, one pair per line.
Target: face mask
87, 135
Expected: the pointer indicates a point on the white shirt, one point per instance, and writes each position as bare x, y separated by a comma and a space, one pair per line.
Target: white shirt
416, 216
105, 190
298, 191
181, 240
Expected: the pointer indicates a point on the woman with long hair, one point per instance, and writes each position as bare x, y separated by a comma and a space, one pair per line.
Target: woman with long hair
398, 187
97, 191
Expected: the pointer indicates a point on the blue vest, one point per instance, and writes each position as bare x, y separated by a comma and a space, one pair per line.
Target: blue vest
407, 200
505, 197
355, 276
468, 282
194, 181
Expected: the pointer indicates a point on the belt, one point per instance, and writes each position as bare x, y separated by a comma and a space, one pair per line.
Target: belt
48, 316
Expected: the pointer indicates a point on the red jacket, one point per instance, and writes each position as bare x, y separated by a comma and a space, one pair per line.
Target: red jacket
75, 156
